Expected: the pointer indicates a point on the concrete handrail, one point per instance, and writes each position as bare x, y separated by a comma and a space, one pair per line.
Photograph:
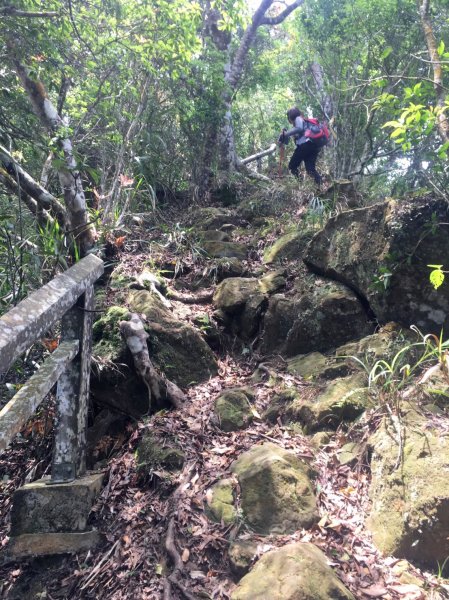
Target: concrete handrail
68, 297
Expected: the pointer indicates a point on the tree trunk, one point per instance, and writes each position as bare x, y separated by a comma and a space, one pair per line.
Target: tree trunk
233, 74
79, 229
440, 94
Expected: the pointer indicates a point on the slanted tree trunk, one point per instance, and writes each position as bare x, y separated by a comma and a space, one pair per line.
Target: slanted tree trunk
78, 227
233, 74
440, 94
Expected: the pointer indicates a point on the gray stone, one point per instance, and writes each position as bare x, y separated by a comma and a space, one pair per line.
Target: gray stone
62, 507
297, 571
275, 490
47, 544
401, 243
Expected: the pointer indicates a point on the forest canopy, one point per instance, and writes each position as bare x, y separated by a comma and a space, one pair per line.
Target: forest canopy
116, 107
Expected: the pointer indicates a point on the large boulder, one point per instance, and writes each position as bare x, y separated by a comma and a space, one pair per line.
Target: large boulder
383, 252
290, 246
317, 316
410, 492
340, 401
298, 571
276, 493
177, 349
241, 301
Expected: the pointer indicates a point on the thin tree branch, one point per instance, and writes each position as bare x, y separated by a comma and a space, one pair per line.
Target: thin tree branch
11, 11
283, 15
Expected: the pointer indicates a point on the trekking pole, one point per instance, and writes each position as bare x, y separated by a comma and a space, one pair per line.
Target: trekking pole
281, 158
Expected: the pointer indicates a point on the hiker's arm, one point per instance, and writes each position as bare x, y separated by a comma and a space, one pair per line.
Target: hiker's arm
297, 129
294, 131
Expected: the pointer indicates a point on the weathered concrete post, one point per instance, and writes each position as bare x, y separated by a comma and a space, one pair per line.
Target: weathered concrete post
69, 458
51, 516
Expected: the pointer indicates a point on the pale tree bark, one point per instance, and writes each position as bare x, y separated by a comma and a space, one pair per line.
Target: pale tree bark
233, 74
35, 196
11, 11
324, 98
440, 94
79, 229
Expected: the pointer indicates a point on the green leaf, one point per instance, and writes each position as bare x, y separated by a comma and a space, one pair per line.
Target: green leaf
436, 278
441, 48
386, 53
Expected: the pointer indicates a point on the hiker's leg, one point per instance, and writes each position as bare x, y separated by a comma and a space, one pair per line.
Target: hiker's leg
310, 162
295, 161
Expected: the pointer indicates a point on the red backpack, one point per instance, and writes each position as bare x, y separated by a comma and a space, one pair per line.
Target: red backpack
316, 131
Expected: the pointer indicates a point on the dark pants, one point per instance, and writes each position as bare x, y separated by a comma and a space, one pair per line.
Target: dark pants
308, 153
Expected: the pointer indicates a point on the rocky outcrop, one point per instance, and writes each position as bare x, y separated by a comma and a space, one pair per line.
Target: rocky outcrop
241, 301
382, 252
290, 247
275, 490
297, 571
409, 491
176, 348
342, 400
318, 316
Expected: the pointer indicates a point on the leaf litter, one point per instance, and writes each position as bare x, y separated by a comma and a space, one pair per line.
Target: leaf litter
158, 542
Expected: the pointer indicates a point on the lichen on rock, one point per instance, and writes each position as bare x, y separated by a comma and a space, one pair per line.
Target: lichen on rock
276, 490
297, 571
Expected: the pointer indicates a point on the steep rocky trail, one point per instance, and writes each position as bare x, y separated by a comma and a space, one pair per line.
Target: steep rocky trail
273, 445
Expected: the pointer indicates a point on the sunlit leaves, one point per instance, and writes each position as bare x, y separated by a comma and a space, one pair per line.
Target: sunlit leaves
436, 276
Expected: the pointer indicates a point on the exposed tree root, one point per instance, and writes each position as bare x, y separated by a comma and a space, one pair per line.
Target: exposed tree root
174, 578
201, 298
159, 388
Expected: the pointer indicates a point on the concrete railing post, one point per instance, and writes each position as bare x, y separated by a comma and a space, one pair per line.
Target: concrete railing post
69, 457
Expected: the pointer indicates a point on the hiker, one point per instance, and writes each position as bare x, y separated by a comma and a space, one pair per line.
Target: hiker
308, 145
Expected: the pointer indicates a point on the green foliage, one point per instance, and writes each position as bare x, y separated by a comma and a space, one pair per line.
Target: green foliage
437, 275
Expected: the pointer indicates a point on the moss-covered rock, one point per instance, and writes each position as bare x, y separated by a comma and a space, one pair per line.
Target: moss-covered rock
152, 454
107, 340
176, 348
114, 382
213, 235
210, 217
342, 400
220, 502
288, 247
279, 404
233, 409
349, 453
321, 439
241, 302
297, 571
276, 491
316, 316
353, 251
241, 556
217, 249
410, 492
